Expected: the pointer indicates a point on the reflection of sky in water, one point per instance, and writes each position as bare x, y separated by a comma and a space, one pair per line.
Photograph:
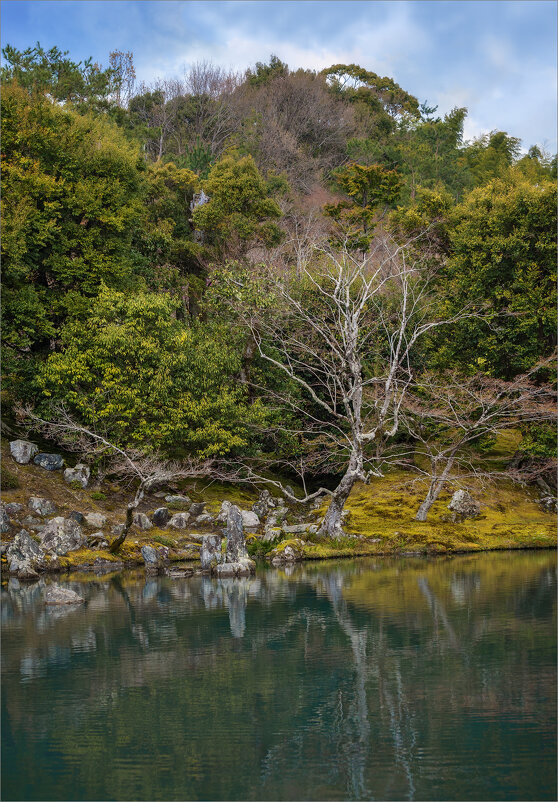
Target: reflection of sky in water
384, 679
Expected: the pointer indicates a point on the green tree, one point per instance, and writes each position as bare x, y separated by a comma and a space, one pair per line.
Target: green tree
137, 373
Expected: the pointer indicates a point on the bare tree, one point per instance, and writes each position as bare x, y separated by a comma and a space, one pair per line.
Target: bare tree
447, 414
343, 330
155, 107
122, 62
134, 467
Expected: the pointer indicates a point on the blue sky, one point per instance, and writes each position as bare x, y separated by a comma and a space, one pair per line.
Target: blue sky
497, 58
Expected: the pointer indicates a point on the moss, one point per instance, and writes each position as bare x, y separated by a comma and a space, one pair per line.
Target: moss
8, 479
97, 495
164, 540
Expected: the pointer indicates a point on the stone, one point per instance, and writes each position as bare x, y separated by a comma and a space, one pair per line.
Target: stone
95, 520
296, 529
205, 518
42, 506
23, 451
180, 520
61, 535
197, 508
289, 554
32, 523
548, 503
264, 504
210, 552
50, 462
56, 594
97, 540
223, 512
242, 567
25, 557
236, 542
4, 519
118, 529
77, 516
13, 508
161, 516
464, 505
141, 520
150, 555
80, 473
177, 500
249, 519
271, 533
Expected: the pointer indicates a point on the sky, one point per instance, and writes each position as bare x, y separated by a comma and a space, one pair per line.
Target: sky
496, 57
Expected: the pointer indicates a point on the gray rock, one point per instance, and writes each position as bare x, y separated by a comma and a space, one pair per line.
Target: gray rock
118, 529
23, 451
141, 520
242, 567
97, 540
548, 503
80, 473
223, 512
178, 500
289, 554
13, 508
50, 462
150, 555
297, 529
264, 504
55, 594
33, 523
271, 533
61, 535
180, 520
210, 552
77, 516
205, 518
249, 519
42, 506
236, 542
25, 557
161, 516
196, 508
4, 519
464, 505
95, 520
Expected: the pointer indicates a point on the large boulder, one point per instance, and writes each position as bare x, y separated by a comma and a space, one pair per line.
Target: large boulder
13, 508
154, 559
180, 520
95, 520
291, 553
296, 529
23, 451
80, 473
264, 504
210, 552
61, 535
463, 505
141, 520
242, 567
25, 557
249, 519
4, 519
178, 501
223, 512
161, 516
236, 562
50, 462
42, 506
196, 508
56, 594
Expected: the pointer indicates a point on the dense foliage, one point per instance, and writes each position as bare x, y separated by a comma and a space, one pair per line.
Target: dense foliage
124, 206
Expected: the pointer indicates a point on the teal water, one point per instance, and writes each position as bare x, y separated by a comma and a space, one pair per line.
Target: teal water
379, 679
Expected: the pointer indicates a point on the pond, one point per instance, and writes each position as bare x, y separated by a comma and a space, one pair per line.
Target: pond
383, 679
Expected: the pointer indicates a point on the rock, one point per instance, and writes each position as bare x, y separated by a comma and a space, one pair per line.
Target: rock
141, 520
61, 535
297, 529
118, 529
289, 554
77, 516
13, 508
289, 490
205, 518
33, 523
97, 540
464, 505
160, 494
25, 557
42, 506
80, 473
271, 533
196, 508
161, 516
95, 520
180, 520
210, 552
223, 512
236, 542
184, 500
249, 519
50, 462
264, 503
242, 567
4, 519
55, 594
23, 451
548, 503
152, 559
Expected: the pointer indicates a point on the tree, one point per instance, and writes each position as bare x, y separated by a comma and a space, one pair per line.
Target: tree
344, 332
122, 64
146, 380
447, 414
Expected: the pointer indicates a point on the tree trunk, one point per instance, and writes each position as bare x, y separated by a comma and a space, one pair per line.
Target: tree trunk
331, 525
434, 490
118, 541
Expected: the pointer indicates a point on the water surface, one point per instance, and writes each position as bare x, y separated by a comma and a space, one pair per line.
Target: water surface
373, 679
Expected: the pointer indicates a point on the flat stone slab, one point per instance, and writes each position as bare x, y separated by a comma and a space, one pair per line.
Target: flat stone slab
55, 594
